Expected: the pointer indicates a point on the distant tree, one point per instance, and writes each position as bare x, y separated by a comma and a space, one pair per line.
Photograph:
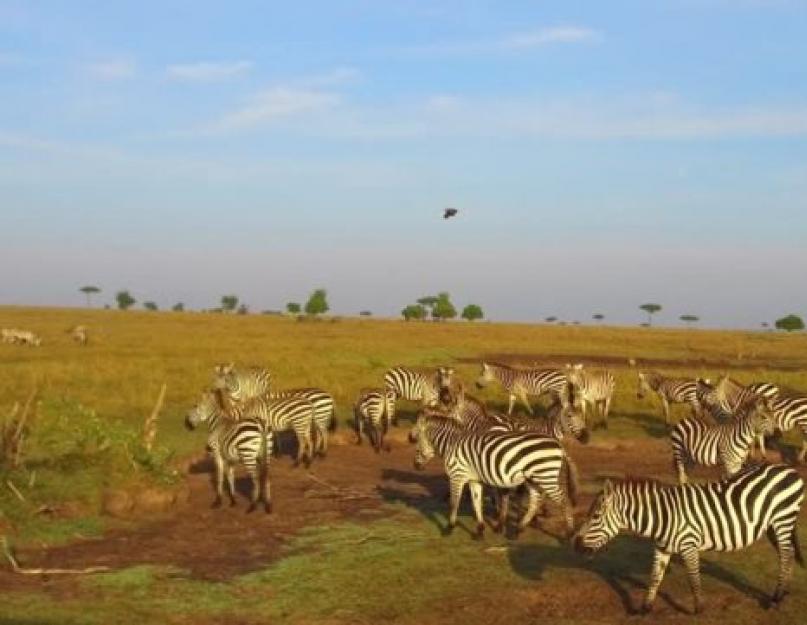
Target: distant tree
443, 308
293, 308
150, 305
243, 309
765, 324
575, 323
229, 303
689, 319
790, 323
650, 309
272, 312
472, 312
178, 307
561, 323
598, 317
107, 307
89, 291
414, 311
125, 300
317, 304
366, 313
551, 319
644, 324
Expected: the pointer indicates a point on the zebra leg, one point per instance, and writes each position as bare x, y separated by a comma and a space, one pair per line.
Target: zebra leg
456, 486
476, 500
526, 402
266, 495
322, 442
692, 562
358, 424
534, 498
219, 469
678, 465
256, 475
782, 538
665, 405
231, 483
606, 408
660, 562
761, 443
503, 501
803, 452
512, 400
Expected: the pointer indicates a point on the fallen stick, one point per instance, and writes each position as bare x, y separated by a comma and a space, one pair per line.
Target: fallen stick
14, 490
15, 566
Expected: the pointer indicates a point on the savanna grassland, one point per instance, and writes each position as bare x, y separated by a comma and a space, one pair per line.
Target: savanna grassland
357, 539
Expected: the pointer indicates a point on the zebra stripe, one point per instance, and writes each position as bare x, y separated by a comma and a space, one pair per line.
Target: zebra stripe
731, 395
373, 412
726, 445
248, 443
720, 516
790, 412
324, 420
522, 383
242, 384
669, 390
594, 388
504, 460
412, 385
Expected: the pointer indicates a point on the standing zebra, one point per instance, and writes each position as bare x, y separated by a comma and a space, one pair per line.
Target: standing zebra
726, 445
593, 387
287, 413
731, 394
247, 442
324, 420
409, 384
373, 412
720, 516
242, 384
79, 334
669, 390
790, 412
504, 460
521, 383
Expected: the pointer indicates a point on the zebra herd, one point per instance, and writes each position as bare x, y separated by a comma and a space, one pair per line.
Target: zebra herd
14, 336
480, 447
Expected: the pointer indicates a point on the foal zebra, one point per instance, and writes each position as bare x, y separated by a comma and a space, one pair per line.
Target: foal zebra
413, 385
720, 516
372, 412
726, 445
248, 443
504, 460
521, 383
593, 387
669, 390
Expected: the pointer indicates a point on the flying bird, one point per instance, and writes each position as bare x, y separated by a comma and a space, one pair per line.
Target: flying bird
449, 212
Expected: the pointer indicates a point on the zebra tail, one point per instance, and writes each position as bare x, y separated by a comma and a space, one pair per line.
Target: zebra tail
572, 479
797, 547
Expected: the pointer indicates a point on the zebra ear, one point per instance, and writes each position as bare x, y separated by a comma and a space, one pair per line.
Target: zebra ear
607, 487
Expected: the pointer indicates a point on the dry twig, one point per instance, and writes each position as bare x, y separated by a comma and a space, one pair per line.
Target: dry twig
150, 425
15, 566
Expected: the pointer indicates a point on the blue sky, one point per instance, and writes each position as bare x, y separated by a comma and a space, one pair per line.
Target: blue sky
601, 154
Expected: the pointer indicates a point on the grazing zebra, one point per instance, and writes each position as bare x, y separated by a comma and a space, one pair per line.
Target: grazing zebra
593, 387
503, 460
521, 383
242, 384
726, 445
373, 412
719, 516
286, 413
669, 390
247, 442
409, 384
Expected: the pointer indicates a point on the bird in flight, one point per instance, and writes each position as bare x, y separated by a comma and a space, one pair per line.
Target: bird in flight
449, 212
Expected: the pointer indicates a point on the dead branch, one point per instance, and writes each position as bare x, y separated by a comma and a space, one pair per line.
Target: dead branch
15, 444
150, 425
15, 566
16, 491
336, 491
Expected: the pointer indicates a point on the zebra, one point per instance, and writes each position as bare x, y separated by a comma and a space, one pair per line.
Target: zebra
594, 387
79, 334
409, 384
504, 460
20, 337
242, 384
324, 420
669, 390
248, 443
730, 394
728, 515
789, 412
372, 412
521, 383
726, 445
279, 414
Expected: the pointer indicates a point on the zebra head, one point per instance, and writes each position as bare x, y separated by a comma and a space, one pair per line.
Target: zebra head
575, 373
573, 422
485, 376
203, 412
602, 524
763, 419
419, 435
224, 375
444, 377
644, 386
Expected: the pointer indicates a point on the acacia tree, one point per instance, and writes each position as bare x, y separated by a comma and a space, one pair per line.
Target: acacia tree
550, 319
443, 308
178, 307
293, 308
89, 291
428, 302
150, 305
317, 304
791, 323
472, 312
229, 302
414, 311
650, 309
125, 300
598, 317
689, 319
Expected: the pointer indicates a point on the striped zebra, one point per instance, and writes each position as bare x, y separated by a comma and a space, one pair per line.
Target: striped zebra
79, 334
247, 442
595, 388
324, 420
726, 445
790, 412
522, 383
503, 460
669, 390
413, 385
242, 384
731, 394
719, 516
20, 337
279, 414
372, 413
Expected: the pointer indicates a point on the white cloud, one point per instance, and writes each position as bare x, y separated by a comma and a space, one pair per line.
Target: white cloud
515, 42
208, 71
113, 69
276, 103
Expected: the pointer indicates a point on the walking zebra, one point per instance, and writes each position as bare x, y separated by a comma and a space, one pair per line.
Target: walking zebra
247, 442
373, 412
720, 516
504, 460
521, 383
726, 445
669, 391
278, 414
409, 384
593, 387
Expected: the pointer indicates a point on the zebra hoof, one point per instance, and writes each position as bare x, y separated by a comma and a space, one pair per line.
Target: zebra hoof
252, 507
646, 608
448, 530
267, 507
216, 504
233, 503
